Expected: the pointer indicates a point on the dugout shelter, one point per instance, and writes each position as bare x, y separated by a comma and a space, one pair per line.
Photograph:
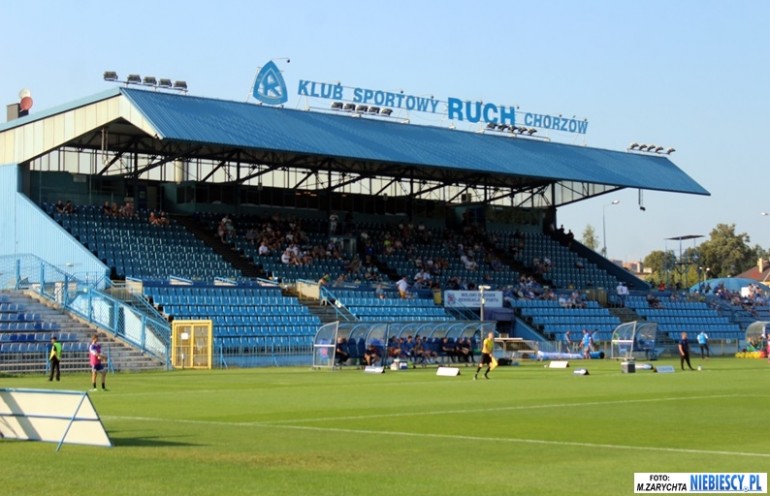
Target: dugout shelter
757, 333
635, 339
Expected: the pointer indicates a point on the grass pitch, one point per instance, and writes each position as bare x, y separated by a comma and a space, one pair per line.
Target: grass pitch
294, 431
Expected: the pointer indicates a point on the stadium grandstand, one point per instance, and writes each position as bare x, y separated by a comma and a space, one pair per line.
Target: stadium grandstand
132, 209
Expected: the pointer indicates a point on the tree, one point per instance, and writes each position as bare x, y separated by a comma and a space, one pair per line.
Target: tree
661, 263
589, 237
726, 253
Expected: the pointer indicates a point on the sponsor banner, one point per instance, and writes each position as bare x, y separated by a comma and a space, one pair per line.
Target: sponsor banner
700, 483
472, 299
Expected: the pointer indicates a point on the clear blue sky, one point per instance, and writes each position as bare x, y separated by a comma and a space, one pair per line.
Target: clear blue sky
690, 74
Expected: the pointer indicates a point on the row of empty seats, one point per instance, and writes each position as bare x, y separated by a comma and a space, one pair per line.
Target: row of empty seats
237, 311
41, 348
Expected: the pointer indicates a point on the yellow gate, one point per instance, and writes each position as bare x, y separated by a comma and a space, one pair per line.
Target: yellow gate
191, 344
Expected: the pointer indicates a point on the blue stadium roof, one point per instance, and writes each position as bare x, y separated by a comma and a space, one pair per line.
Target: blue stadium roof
377, 146
246, 125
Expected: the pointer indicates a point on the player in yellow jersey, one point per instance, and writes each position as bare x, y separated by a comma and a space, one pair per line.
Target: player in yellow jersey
486, 356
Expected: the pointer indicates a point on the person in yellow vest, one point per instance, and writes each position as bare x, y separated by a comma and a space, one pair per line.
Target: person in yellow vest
54, 358
486, 356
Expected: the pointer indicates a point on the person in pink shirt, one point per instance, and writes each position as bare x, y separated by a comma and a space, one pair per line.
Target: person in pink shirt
98, 362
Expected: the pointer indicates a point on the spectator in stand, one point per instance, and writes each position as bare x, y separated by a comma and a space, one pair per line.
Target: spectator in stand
570, 238
60, 206
467, 262
622, 292
153, 219
422, 279
163, 219
576, 301
251, 235
127, 210
379, 292
69, 208
403, 287
286, 257
263, 249
652, 301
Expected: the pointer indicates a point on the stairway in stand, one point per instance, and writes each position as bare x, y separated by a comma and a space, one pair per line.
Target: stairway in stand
75, 336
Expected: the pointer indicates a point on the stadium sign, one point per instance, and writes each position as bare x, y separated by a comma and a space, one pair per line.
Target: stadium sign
456, 109
270, 88
472, 299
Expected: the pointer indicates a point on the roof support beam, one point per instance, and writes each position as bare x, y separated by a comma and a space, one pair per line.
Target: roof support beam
111, 163
220, 165
461, 192
388, 185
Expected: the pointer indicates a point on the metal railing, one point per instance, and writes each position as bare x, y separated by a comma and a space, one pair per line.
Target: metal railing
28, 272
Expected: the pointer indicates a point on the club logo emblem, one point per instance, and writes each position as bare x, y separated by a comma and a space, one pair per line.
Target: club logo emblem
269, 86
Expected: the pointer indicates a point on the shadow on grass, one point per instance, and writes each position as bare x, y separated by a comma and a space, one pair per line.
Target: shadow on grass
144, 442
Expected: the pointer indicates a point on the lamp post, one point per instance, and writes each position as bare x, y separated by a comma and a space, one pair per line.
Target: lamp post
482, 300
604, 226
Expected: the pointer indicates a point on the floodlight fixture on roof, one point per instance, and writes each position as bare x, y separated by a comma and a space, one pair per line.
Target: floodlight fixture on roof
491, 125
362, 108
502, 127
670, 151
633, 146
386, 111
642, 148
149, 81
110, 76
350, 107
164, 83
659, 149
180, 85
531, 131
336, 105
134, 79
374, 110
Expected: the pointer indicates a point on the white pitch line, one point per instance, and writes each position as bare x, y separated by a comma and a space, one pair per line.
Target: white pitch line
453, 437
501, 409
